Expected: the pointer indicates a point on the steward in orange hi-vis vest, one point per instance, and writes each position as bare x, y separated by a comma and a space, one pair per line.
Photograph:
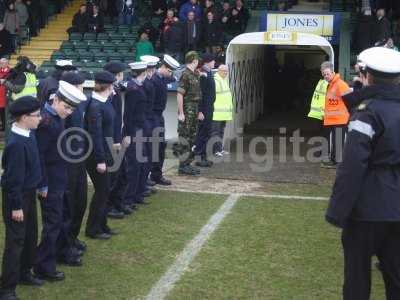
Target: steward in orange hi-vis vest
336, 112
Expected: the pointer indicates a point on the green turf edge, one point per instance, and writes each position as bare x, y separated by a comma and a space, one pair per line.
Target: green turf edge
128, 265
270, 249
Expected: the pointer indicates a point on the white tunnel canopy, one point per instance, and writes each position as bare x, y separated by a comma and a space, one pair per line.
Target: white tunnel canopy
246, 61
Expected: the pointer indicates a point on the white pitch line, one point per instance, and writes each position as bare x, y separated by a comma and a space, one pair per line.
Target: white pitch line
166, 283
272, 196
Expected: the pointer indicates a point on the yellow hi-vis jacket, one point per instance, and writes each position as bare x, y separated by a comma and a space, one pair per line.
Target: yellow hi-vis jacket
30, 87
223, 105
318, 100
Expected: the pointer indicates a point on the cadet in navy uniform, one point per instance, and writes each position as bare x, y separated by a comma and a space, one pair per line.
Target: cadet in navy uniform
206, 110
145, 185
99, 122
54, 182
19, 181
365, 197
163, 76
77, 178
134, 117
49, 86
116, 209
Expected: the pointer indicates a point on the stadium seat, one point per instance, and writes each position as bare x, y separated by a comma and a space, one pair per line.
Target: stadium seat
57, 55
116, 57
107, 47
67, 45
78, 46
101, 56
75, 36
116, 37
89, 36
124, 47
95, 46
71, 54
109, 28
86, 55
102, 37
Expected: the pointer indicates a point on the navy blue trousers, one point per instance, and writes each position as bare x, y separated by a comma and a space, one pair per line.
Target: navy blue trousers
202, 137
157, 164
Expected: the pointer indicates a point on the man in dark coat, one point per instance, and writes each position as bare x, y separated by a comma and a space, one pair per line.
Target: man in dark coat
363, 35
80, 21
173, 41
239, 18
191, 32
382, 27
5, 41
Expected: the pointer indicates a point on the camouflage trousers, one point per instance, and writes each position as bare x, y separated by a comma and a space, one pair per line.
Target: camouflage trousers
187, 130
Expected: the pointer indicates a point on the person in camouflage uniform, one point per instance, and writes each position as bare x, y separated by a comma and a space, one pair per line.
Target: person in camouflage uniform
189, 96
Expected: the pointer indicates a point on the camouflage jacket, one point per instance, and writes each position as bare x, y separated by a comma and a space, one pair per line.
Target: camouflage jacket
189, 87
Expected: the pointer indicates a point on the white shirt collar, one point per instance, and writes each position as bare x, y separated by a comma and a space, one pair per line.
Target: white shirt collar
20, 131
99, 97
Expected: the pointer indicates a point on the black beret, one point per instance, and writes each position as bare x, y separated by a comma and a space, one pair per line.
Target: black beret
24, 105
115, 67
207, 57
73, 78
104, 77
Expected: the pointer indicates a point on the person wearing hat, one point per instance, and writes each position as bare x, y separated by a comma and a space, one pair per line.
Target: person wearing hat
148, 85
134, 118
22, 80
49, 85
115, 207
189, 97
53, 186
206, 110
76, 195
21, 175
99, 121
365, 196
161, 79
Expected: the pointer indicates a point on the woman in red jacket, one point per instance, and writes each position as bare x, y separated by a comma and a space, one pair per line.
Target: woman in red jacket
4, 71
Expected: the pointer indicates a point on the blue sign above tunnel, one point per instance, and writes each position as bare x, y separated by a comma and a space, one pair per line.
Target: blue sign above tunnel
326, 25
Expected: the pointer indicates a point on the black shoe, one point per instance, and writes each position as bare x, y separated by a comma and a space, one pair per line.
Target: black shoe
8, 296
163, 181
204, 163
56, 276
80, 245
72, 261
146, 193
110, 232
150, 182
142, 202
153, 190
115, 214
127, 210
30, 279
188, 170
99, 236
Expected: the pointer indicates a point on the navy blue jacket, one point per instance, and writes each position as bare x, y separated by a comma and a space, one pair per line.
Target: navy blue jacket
161, 93
367, 185
54, 167
21, 167
76, 120
135, 105
149, 88
116, 102
99, 122
207, 85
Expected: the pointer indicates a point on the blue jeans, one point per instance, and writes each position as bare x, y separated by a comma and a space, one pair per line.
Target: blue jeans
126, 19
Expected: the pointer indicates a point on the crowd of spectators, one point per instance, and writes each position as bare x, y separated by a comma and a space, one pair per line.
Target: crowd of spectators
184, 26
378, 24
23, 18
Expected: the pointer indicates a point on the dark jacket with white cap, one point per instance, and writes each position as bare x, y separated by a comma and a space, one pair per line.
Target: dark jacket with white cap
367, 185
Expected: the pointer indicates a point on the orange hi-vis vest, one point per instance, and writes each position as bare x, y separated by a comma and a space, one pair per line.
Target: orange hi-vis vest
336, 112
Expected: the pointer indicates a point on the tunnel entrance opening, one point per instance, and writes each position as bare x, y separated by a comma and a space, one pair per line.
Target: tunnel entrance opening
290, 76
273, 75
